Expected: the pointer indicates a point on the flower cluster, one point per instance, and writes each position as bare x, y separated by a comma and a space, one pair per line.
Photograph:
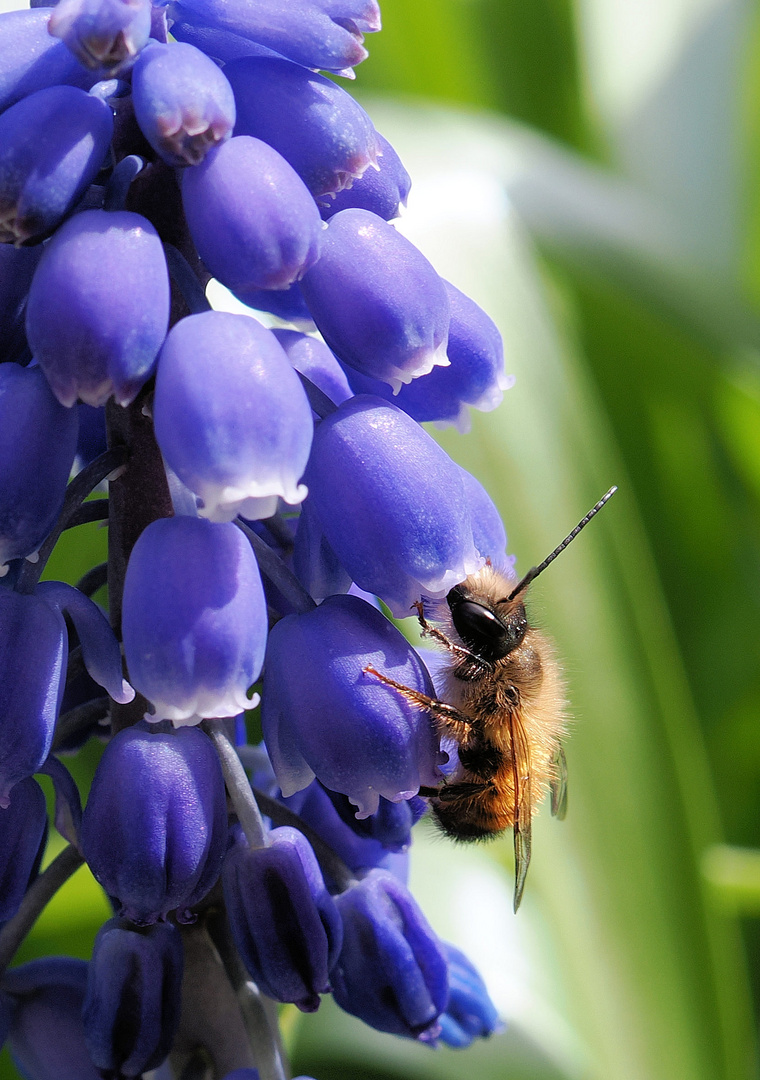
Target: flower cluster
269, 481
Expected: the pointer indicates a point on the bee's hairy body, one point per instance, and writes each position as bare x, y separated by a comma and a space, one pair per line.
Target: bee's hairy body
515, 706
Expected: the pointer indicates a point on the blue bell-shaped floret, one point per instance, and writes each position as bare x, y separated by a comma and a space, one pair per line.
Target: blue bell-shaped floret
52, 145
392, 971
470, 1014
132, 1004
98, 307
318, 128
194, 619
284, 921
46, 1038
23, 830
251, 217
377, 301
31, 59
391, 504
474, 378
104, 35
326, 34
312, 358
33, 657
231, 416
154, 829
183, 102
323, 716
38, 441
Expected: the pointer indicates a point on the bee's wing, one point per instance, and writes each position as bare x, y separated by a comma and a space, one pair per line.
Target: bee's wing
559, 784
521, 772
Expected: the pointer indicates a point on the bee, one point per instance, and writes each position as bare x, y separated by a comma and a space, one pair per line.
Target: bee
503, 704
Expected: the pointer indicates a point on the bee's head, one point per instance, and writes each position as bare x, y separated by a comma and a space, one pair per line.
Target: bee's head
489, 635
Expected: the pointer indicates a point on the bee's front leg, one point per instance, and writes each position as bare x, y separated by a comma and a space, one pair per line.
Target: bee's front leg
448, 718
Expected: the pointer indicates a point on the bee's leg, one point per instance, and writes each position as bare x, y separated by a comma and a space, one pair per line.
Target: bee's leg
464, 655
458, 790
455, 722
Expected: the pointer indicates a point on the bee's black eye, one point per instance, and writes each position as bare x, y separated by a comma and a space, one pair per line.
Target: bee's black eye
484, 632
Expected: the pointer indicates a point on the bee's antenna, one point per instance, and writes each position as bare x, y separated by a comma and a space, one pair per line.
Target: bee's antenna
536, 570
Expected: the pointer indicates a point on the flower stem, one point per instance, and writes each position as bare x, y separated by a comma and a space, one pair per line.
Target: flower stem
239, 789
273, 568
37, 897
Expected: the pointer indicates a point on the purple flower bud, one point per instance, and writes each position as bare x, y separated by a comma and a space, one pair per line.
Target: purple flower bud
104, 35
313, 359
33, 657
98, 307
154, 829
231, 416
132, 1005
38, 440
392, 971
17, 266
360, 843
325, 135
23, 831
381, 190
31, 59
252, 220
323, 716
391, 504
220, 45
470, 1014
183, 103
284, 921
52, 145
474, 378
377, 301
326, 34
46, 1039
194, 619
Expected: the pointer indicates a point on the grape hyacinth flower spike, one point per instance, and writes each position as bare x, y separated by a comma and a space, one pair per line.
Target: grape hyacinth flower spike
144, 150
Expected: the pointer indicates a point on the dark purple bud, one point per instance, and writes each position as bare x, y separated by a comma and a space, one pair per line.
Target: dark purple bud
312, 358
323, 716
325, 135
17, 266
231, 416
392, 971
360, 843
132, 1004
52, 145
154, 829
284, 921
391, 504
194, 619
104, 35
470, 1014
23, 830
33, 657
183, 102
252, 220
377, 301
31, 59
474, 378
98, 307
382, 190
326, 34
46, 1038
38, 441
